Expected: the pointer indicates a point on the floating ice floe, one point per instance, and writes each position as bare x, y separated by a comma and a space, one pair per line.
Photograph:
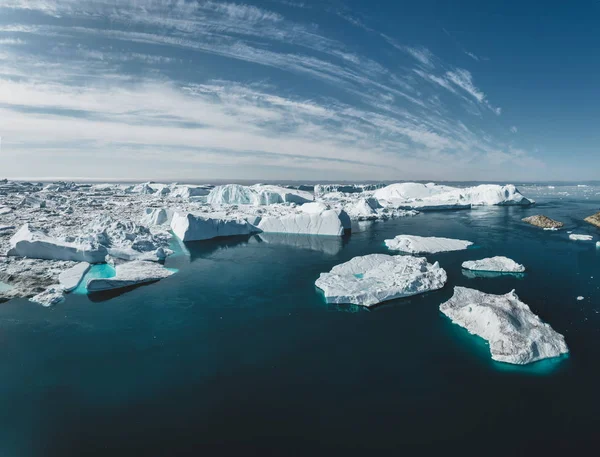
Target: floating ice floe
129, 274
580, 298
515, 335
431, 196
577, 237
425, 244
259, 194
374, 278
28, 242
310, 219
70, 279
198, 227
498, 264
50, 297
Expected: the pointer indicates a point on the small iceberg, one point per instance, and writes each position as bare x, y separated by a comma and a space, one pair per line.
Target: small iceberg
576, 237
130, 274
51, 296
375, 278
514, 333
498, 264
413, 244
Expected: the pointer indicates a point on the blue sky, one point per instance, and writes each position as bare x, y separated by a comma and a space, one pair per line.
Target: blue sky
319, 90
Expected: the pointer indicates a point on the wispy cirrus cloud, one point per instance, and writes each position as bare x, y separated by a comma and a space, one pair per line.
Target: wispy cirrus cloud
136, 79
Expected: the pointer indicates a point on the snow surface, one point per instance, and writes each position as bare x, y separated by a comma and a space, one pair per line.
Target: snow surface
515, 335
495, 264
28, 242
413, 244
374, 278
129, 274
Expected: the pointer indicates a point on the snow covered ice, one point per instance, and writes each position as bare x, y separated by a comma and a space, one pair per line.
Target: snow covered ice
259, 194
494, 264
374, 278
413, 244
310, 219
514, 333
129, 274
70, 279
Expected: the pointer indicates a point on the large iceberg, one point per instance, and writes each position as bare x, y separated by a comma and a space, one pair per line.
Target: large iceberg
498, 264
515, 335
28, 242
310, 219
413, 244
129, 274
259, 194
431, 196
374, 278
198, 227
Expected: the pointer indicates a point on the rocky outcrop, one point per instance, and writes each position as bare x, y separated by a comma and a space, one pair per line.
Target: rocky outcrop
543, 222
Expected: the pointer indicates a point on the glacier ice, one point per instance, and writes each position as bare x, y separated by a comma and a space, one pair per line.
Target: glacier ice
310, 219
374, 278
413, 244
514, 333
129, 274
494, 264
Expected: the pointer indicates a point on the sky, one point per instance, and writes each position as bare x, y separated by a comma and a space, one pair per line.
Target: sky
300, 90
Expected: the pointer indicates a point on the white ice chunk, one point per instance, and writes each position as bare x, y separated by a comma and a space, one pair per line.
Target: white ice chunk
129, 274
35, 244
515, 335
70, 279
422, 244
374, 278
576, 237
50, 297
156, 216
191, 227
498, 264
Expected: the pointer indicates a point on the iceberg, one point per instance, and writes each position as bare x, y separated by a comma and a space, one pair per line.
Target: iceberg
259, 194
431, 196
311, 219
515, 335
196, 227
50, 297
576, 237
413, 244
374, 278
28, 242
129, 274
70, 279
189, 192
498, 264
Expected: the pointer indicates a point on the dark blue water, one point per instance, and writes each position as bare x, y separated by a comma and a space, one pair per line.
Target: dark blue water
238, 355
